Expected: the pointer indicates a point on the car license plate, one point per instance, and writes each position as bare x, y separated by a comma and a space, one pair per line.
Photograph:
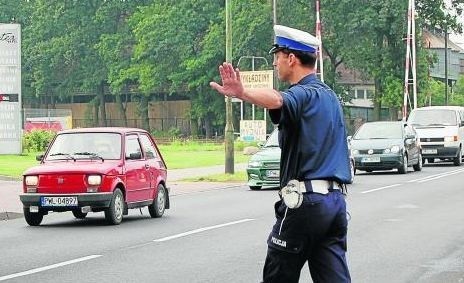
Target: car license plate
371, 159
429, 151
272, 173
58, 201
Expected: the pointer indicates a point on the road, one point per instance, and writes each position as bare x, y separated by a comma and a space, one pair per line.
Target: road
403, 228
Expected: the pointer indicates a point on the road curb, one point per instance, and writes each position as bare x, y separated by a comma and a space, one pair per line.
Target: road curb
10, 215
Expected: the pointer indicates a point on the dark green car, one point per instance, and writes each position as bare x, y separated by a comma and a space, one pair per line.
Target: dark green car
263, 166
386, 145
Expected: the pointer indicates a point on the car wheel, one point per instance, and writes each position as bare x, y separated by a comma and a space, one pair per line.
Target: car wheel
156, 209
32, 218
418, 166
403, 169
78, 214
113, 214
458, 159
255, 188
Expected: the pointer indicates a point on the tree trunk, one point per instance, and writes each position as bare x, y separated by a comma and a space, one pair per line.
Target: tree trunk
377, 100
194, 127
95, 112
208, 130
144, 112
121, 109
101, 94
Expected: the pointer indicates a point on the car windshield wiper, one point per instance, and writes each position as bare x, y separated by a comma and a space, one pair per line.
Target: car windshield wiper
91, 154
69, 156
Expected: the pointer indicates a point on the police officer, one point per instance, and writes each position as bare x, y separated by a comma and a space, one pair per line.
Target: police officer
311, 223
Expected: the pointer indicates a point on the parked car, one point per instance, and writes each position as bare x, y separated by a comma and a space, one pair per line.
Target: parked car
97, 169
385, 146
264, 166
441, 132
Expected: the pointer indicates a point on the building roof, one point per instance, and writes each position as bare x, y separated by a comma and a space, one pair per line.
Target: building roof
437, 41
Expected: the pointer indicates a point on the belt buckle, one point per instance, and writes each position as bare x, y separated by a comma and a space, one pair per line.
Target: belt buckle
320, 186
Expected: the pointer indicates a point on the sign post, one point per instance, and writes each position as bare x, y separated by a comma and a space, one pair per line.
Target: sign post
10, 89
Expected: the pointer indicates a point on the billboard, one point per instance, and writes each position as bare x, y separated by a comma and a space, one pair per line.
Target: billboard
253, 130
10, 89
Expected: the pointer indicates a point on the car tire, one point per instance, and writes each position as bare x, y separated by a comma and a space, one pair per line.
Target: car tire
157, 208
32, 218
79, 214
255, 188
403, 169
418, 165
457, 161
113, 214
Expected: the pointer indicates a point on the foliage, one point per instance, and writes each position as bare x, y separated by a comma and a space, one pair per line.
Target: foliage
37, 140
153, 49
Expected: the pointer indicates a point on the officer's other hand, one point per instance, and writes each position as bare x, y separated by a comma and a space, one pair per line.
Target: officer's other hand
231, 84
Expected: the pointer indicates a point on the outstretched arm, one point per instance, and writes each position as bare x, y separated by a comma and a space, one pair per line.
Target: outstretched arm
233, 87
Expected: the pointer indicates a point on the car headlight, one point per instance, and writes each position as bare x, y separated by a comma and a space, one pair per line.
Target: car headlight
255, 164
94, 180
451, 139
395, 149
31, 181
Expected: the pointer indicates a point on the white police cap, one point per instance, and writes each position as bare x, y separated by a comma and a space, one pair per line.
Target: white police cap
294, 39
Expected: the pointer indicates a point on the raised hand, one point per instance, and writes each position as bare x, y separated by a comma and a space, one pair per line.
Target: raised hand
231, 84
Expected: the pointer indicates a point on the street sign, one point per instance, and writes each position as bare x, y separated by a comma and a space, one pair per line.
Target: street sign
10, 89
253, 130
257, 79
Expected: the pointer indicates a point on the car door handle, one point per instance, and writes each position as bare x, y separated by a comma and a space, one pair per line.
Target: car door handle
147, 166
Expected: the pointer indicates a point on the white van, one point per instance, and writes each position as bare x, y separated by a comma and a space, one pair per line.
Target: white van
441, 132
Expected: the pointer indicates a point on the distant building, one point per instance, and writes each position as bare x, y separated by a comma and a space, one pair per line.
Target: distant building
435, 42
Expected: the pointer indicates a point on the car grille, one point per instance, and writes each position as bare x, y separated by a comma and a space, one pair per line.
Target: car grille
432, 139
376, 151
271, 164
431, 146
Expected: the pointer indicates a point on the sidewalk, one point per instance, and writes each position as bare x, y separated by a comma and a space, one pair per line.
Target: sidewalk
11, 207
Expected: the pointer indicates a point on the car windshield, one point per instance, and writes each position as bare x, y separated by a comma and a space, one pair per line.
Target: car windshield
273, 140
379, 131
75, 146
434, 117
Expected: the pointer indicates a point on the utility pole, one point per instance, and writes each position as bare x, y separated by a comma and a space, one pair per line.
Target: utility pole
229, 130
446, 63
410, 61
319, 62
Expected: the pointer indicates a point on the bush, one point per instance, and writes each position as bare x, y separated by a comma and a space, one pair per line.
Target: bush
37, 140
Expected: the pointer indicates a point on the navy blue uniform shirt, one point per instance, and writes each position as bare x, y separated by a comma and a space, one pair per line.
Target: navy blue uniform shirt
312, 134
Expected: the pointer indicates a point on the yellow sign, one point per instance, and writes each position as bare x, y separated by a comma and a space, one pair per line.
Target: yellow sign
257, 79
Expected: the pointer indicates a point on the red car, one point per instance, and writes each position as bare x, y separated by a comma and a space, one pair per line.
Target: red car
97, 169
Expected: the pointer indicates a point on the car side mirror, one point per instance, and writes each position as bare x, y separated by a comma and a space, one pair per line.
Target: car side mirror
134, 156
260, 144
39, 157
349, 138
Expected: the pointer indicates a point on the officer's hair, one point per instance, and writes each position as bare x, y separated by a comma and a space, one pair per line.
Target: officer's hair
306, 58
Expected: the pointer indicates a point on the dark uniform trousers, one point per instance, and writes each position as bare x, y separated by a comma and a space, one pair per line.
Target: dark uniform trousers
314, 232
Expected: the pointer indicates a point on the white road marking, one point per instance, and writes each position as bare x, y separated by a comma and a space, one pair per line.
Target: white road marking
40, 269
381, 188
435, 175
441, 176
201, 230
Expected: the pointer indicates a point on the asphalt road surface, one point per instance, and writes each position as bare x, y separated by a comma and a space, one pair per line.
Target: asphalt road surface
403, 228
